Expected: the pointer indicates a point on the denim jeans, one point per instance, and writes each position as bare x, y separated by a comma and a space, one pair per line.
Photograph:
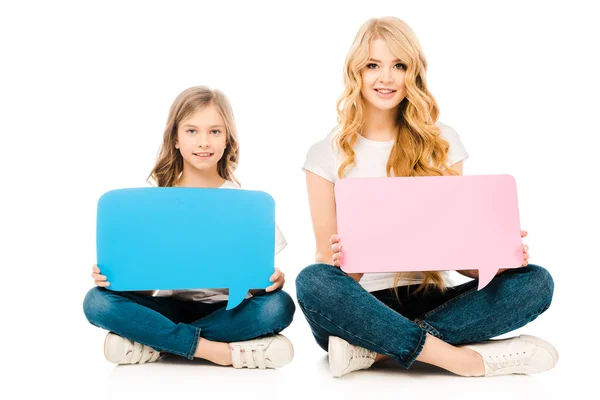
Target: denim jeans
175, 326
336, 305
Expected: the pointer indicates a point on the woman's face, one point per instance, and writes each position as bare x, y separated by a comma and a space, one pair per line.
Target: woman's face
383, 78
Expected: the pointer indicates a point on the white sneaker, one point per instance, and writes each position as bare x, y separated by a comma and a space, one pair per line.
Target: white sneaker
523, 354
266, 352
345, 357
119, 350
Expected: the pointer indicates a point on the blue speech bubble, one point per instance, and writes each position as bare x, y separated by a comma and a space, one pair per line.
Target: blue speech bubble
186, 238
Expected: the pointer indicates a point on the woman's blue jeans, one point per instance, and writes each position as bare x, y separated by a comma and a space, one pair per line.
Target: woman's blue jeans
336, 305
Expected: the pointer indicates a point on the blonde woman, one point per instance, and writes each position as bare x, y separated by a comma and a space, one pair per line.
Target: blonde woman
200, 149
388, 126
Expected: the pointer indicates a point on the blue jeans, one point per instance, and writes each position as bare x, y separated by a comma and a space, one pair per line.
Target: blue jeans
336, 305
175, 326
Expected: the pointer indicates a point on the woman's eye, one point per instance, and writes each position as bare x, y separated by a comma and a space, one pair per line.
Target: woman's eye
191, 131
215, 131
371, 66
400, 66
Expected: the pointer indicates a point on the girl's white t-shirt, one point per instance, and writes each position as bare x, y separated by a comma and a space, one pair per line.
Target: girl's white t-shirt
324, 158
217, 295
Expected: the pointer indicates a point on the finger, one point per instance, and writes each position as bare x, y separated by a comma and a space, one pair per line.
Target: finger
98, 277
336, 248
275, 276
102, 284
272, 287
334, 239
526, 256
525, 247
96, 269
337, 256
523, 234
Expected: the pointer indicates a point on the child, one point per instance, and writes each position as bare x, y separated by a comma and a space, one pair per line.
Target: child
199, 149
388, 126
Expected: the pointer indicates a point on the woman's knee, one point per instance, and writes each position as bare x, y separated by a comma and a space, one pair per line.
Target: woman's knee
313, 280
541, 284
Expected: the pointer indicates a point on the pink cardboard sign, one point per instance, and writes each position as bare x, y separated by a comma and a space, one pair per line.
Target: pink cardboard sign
429, 223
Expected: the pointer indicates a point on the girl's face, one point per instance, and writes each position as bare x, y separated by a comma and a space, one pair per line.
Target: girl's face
382, 78
202, 138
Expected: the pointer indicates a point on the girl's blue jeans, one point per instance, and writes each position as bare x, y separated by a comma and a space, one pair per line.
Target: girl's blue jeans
175, 326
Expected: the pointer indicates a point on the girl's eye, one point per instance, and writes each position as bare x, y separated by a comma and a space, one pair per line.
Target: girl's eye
371, 66
191, 131
400, 66
215, 131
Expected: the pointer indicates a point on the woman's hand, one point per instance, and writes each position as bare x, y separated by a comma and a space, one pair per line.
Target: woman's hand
336, 249
525, 250
278, 279
473, 273
99, 280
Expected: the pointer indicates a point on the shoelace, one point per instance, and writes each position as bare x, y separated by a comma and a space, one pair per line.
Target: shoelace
254, 356
361, 358
505, 361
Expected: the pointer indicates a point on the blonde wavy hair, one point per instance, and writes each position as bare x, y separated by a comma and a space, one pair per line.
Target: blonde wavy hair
419, 150
169, 163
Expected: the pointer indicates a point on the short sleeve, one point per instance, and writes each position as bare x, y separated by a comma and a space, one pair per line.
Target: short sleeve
320, 159
457, 151
280, 242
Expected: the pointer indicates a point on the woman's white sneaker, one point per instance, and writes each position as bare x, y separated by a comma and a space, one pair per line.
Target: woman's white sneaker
119, 350
523, 354
345, 357
273, 351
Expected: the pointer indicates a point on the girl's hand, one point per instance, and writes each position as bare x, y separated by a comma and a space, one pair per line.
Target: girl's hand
336, 249
99, 280
278, 279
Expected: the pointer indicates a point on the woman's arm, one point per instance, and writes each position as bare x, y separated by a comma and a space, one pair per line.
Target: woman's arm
321, 199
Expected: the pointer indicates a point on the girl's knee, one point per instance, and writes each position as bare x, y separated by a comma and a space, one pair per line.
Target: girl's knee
278, 310
96, 304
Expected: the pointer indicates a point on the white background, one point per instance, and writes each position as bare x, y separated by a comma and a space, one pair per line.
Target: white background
84, 96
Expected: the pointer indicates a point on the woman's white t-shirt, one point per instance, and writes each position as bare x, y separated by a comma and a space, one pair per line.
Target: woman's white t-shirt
216, 295
324, 158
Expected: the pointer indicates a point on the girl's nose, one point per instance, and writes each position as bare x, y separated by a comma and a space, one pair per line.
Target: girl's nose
202, 140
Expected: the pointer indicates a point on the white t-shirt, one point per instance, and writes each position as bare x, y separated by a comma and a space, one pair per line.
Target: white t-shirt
324, 158
216, 295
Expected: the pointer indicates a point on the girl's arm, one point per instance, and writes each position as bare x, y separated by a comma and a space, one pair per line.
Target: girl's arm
321, 199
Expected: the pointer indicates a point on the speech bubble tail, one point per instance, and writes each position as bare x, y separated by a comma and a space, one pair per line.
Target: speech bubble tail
485, 277
236, 296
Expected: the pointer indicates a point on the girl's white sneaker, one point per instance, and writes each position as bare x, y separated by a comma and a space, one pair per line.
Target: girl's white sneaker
273, 351
119, 350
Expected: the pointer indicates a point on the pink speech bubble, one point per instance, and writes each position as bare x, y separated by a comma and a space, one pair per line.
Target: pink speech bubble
430, 223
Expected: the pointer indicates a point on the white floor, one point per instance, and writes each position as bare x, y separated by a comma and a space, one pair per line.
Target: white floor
68, 363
